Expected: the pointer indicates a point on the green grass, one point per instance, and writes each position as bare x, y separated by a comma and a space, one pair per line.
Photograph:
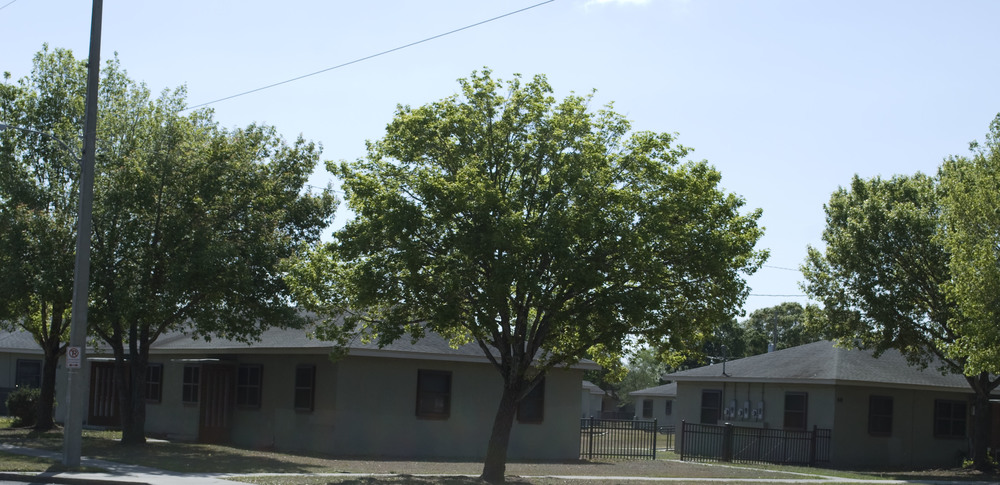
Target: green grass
202, 458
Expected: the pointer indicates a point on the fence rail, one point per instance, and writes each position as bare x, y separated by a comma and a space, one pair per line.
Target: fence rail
617, 438
740, 444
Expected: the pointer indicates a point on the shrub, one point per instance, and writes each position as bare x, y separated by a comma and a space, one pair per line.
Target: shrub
22, 405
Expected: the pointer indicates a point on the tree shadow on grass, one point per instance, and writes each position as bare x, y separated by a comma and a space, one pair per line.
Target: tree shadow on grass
194, 458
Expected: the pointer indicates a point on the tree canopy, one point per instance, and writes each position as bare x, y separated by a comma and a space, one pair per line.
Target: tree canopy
542, 230
39, 172
891, 275
193, 223
970, 188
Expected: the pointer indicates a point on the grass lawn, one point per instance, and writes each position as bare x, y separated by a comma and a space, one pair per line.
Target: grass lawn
201, 458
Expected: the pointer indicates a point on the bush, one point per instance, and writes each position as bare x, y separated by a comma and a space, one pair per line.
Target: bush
22, 405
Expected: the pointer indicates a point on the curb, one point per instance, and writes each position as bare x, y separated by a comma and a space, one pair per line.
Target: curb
43, 478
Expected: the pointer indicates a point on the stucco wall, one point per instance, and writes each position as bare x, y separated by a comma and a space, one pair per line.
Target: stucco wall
376, 412
819, 411
911, 442
366, 406
659, 410
844, 409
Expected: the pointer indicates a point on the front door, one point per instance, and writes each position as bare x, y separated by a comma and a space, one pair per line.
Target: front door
103, 405
218, 384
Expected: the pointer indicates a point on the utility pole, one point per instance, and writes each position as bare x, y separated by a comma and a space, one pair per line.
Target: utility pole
75, 400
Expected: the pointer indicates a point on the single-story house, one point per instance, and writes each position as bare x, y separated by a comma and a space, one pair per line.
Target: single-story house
423, 399
591, 400
656, 403
881, 411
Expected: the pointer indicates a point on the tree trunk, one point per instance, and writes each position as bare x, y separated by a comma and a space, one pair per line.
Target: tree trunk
47, 398
133, 401
495, 466
982, 422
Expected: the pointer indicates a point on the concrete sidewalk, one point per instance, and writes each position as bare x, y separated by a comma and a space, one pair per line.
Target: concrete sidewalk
117, 473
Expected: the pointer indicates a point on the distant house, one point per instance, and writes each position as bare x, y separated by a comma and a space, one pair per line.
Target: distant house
421, 400
882, 412
591, 400
656, 403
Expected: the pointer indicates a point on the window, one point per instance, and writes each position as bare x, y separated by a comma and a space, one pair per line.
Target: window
531, 409
949, 419
647, 408
248, 383
711, 406
154, 383
305, 387
191, 383
433, 394
795, 410
668, 407
880, 415
28, 373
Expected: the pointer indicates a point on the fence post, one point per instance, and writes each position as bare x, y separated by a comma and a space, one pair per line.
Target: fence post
812, 446
656, 436
727, 442
590, 439
679, 444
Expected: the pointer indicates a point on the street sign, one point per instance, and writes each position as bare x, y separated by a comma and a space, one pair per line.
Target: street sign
73, 355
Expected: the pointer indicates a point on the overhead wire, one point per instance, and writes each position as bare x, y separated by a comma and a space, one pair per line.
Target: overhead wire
372, 56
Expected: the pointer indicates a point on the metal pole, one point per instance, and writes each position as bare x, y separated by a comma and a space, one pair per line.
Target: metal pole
75, 402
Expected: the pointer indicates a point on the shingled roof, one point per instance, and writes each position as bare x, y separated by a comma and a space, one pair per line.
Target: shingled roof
666, 390
292, 341
824, 363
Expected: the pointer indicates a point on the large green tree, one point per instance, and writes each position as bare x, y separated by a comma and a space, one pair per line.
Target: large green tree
39, 170
882, 280
970, 197
782, 325
193, 225
540, 230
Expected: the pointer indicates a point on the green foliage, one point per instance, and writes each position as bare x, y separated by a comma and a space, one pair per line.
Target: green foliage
880, 278
911, 264
970, 189
506, 217
537, 228
784, 324
22, 405
193, 223
38, 204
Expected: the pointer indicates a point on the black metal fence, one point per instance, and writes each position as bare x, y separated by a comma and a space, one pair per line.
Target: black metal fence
617, 438
754, 445
667, 437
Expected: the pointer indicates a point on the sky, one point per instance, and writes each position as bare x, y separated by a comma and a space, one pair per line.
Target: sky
787, 99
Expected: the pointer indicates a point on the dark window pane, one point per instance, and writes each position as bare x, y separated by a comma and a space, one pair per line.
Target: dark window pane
795, 410
192, 380
531, 409
305, 387
433, 393
711, 406
28, 373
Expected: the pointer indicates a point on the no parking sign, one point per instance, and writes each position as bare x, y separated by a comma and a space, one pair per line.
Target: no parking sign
73, 355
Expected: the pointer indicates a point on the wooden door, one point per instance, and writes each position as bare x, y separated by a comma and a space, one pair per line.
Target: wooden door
103, 405
218, 385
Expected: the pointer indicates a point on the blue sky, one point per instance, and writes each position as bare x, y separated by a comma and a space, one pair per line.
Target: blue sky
788, 99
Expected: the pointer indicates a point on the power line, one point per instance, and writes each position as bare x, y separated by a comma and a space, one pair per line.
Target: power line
779, 267
370, 56
7, 4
